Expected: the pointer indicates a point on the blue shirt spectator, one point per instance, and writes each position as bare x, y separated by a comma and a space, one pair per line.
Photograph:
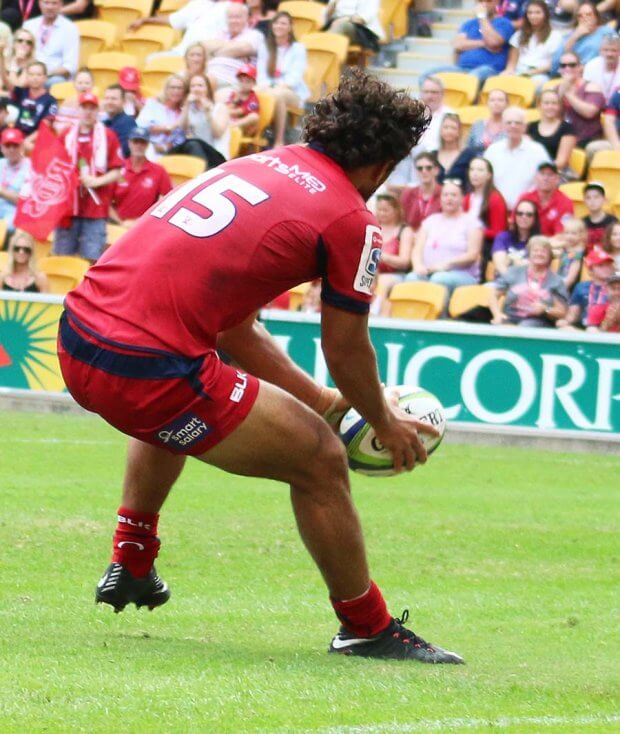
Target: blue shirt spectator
513, 10
32, 109
475, 57
586, 38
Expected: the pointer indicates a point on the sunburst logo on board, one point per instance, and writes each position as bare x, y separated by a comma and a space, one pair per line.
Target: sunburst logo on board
28, 358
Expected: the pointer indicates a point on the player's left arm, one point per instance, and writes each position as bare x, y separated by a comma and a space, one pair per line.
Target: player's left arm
254, 349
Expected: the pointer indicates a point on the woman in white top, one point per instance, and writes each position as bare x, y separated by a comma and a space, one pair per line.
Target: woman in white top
356, 19
161, 116
281, 66
206, 124
532, 47
13, 71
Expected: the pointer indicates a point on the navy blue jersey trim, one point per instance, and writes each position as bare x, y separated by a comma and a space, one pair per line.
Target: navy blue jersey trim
321, 257
338, 300
113, 343
136, 367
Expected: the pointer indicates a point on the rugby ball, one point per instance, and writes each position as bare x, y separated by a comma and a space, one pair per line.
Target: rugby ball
365, 452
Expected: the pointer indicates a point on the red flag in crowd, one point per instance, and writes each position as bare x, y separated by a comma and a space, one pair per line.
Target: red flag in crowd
47, 195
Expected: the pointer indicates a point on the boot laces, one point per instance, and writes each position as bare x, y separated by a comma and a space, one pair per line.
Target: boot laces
406, 635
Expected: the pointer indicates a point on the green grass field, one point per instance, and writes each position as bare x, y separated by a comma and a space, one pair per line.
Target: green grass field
510, 557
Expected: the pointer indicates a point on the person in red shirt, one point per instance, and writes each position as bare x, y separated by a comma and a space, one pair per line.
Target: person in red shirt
421, 201
139, 337
553, 206
141, 184
243, 104
95, 151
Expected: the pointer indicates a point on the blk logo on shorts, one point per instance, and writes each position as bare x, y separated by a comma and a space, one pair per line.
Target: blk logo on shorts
184, 432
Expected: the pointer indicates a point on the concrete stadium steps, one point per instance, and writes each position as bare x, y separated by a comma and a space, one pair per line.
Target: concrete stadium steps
442, 32
454, 16
440, 48
419, 62
399, 78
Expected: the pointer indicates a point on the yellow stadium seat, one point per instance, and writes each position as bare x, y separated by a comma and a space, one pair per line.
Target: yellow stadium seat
459, 89
393, 18
156, 71
327, 52
267, 104
4, 261
423, 301
466, 297
605, 168
170, 6
42, 248
63, 272
234, 143
616, 207
148, 40
114, 232
532, 114
577, 161
468, 114
121, 13
3, 230
521, 90
296, 296
182, 168
105, 66
308, 16
551, 84
95, 36
574, 191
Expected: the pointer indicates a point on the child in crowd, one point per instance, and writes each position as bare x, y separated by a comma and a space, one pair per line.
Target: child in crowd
598, 219
243, 104
587, 303
611, 243
611, 316
571, 244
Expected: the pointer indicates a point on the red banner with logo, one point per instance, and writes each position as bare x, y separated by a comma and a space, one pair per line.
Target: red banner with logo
47, 195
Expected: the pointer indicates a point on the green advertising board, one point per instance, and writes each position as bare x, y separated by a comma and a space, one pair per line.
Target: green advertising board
494, 376
498, 376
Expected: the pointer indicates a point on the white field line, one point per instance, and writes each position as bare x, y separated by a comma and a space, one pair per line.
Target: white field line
76, 441
505, 722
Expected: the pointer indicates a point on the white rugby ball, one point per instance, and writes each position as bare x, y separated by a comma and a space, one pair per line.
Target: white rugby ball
365, 452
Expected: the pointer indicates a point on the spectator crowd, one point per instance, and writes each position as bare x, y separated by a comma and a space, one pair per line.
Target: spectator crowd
482, 203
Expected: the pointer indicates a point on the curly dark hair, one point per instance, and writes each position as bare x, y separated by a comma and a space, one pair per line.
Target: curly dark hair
366, 121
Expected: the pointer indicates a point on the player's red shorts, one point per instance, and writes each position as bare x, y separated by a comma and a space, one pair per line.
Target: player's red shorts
178, 403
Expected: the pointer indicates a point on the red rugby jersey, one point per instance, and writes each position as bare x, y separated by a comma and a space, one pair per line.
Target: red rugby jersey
221, 246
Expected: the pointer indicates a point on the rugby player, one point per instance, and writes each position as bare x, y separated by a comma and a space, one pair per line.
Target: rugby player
139, 337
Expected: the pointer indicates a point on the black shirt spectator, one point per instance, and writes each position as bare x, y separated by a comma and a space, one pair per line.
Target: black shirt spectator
15, 12
550, 143
32, 110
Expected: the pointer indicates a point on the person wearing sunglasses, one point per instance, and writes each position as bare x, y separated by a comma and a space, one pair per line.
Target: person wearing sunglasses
509, 247
419, 202
586, 37
21, 273
583, 102
13, 69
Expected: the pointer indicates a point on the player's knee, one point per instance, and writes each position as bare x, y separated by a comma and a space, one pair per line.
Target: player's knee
327, 467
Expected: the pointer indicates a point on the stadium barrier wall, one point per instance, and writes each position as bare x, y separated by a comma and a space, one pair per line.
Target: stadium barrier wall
515, 381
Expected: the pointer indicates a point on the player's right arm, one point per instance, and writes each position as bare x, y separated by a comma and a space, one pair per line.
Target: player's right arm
352, 363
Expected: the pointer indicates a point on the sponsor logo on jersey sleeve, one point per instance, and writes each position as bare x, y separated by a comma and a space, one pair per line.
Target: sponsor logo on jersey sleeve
369, 260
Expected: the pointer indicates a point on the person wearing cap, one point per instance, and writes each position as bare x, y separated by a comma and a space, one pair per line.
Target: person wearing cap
553, 206
243, 104
281, 65
141, 184
597, 219
129, 81
237, 46
58, 41
115, 116
516, 158
590, 296
95, 152
14, 168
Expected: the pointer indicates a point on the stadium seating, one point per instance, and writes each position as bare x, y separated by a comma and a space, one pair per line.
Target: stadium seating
616, 207
3, 230
114, 232
105, 66
182, 168
468, 114
43, 248
577, 161
393, 15
423, 301
296, 296
466, 297
121, 13
574, 191
267, 104
170, 6
605, 168
63, 272
308, 16
95, 36
157, 70
234, 144
326, 54
521, 90
459, 89
148, 40
4, 261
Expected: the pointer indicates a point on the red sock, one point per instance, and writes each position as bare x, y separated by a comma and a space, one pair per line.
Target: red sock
365, 616
135, 541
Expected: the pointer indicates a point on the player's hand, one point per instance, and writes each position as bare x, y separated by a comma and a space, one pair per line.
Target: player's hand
400, 436
332, 405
